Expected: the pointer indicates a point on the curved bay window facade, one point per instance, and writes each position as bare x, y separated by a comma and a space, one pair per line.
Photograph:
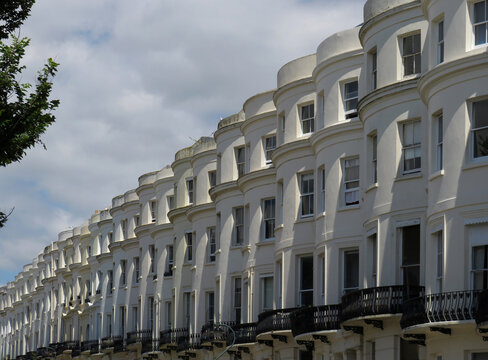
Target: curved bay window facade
342, 215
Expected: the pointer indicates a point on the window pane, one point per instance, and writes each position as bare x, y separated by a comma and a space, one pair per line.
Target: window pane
479, 257
480, 114
351, 89
480, 143
407, 45
479, 12
440, 31
480, 356
306, 273
416, 43
411, 245
352, 169
351, 269
480, 34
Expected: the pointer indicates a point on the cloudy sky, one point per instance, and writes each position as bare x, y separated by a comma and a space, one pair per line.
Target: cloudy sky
137, 81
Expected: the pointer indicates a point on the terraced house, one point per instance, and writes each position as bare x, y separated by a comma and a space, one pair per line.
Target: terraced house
341, 216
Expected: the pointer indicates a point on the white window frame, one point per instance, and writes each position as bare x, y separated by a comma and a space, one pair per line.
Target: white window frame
302, 291
374, 68
209, 295
152, 258
439, 246
349, 97
440, 41
237, 307
212, 244
345, 252
413, 54
484, 270
373, 252
123, 272
474, 130
190, 190
153, 208
374, 158
137, 269
271, 203
238, 213
414, 146
240, 156
480, 23
307, 118
212, 178
400, 228
283, 127
439, 137
321, 181
263, 279
346, 181
269, 145
189, 247
309, 194
169, 260
124, 226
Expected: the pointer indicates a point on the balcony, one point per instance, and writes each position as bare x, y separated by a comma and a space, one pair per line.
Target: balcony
143, 337
190, 343
316, 318
73, 346
115, 342
377, 301
245, 333
481, 316
171, 338
91, 345
440, 308
215, 333
274, 320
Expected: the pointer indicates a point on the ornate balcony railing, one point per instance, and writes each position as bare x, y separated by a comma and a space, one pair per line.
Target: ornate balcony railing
273, 320
245, 333
173, 336
115, 342
140, 336
90, 345
442, 307
215, 331
378, 300
316, 318
192, 342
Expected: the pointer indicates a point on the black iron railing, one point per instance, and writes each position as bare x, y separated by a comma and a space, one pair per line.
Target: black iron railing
378, 300
244, 333
115, 342
140, 336
189, 343
442, 307
173, 336
273, 320
90, 345
316, 318
215, 332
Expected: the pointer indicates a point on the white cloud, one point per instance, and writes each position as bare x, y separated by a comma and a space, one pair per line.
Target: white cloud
133, 75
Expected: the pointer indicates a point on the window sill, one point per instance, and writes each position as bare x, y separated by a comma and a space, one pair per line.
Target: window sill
279, 227
436, 174
476, 163
305, 219
209, 263
237, 246
187, 264
410, 176
320, 216
123, 287
371, 187
265, 242
193, 268
411, 76
349, 208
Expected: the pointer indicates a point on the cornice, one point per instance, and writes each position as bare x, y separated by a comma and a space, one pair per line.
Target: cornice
336, 59
75, 266
343, 127
235, 125
114, 246
175, 213
449, 70
161, 228
253, 119
130, 243
196, 209
179, 162
143, 229
219, 189
386, 91
288, 148
102, 257
256, 178
203, 154
382, 16
292, 85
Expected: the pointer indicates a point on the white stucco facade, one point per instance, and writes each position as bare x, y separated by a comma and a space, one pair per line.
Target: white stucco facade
340, 216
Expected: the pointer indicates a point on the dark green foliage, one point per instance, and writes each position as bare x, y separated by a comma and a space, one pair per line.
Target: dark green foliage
25, 109
24, 114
